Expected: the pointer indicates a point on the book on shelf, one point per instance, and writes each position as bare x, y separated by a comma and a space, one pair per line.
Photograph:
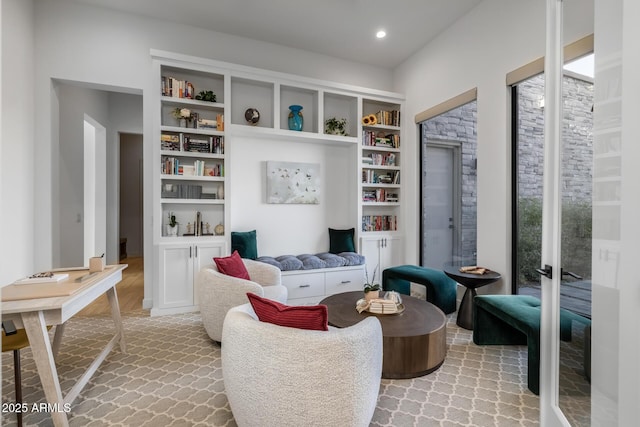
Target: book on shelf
379, 223
175, 88
173, 166
371, 176
170, 142
388, 118
379, 159
380, 139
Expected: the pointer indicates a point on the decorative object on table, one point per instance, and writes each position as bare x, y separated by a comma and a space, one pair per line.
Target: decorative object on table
189, 228
370, 120
183, 115
172, 226
378, 306
252, 116
474, 269
293, 183
96, 264
219, 229
393, 296
334, 126
295, 117
207, 227
206, 95
371, 289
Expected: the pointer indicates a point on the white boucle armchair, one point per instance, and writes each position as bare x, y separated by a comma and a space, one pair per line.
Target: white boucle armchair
217, 292
280, 376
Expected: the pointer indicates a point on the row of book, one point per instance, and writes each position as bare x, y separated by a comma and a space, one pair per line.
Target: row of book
370, 176
379, 223
373, 139
192, 143
177, 88
183, 191
388, 118
174, 166
379, 195
377, 159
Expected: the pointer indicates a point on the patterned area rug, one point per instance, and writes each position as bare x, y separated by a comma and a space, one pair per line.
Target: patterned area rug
171, 376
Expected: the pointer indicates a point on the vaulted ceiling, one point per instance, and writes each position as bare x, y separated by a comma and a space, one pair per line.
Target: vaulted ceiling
340, 28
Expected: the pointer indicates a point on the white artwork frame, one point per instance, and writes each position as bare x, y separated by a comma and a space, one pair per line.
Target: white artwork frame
293, 183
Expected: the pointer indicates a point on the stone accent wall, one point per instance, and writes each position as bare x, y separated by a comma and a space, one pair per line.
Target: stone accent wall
459, 125
577, 137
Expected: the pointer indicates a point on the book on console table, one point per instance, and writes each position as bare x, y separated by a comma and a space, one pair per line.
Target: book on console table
47, 277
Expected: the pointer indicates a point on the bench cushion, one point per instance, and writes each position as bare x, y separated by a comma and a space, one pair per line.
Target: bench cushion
314, 262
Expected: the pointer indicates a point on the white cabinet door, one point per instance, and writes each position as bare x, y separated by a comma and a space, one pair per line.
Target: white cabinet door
176, 276
205, 252
390, 252
203, 256
380, 251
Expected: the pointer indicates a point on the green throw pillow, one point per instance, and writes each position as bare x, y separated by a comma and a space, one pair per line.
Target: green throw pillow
245, 243
341, 241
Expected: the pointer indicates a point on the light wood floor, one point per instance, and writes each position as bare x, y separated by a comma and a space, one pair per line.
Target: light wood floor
130, 291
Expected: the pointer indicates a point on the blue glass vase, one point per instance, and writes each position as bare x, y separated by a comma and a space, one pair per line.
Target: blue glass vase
295, 117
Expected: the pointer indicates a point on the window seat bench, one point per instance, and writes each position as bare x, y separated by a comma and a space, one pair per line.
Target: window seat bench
311, 278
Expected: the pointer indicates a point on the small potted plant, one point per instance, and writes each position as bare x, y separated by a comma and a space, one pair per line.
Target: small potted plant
206, 95
335, 126
172, 226
371, 289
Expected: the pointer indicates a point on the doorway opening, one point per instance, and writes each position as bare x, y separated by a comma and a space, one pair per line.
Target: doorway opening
448, 187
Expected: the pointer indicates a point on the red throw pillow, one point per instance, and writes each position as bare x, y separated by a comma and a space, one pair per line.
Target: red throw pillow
232, 266
313, 317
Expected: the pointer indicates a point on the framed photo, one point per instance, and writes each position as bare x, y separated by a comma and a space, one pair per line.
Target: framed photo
293, 183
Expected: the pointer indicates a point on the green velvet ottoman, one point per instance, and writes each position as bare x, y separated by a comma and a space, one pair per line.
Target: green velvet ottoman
515, 319
441, 289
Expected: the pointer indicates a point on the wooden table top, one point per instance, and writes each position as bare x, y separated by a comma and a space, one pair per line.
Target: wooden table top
419, 317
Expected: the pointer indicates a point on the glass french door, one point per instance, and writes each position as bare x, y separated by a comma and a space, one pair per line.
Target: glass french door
565, 258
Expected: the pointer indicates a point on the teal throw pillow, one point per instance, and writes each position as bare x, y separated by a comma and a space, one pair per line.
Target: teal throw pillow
341, 241
245, 243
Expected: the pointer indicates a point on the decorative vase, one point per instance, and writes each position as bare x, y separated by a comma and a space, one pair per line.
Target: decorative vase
295, 117
172, 231
183, 123
221, 191
371, 295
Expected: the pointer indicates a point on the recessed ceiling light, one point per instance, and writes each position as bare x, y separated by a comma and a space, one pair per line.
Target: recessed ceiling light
381, 34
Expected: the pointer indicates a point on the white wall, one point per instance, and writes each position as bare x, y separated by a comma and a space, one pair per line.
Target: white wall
290, 228
81, 43
75, 102
493, 39
17, 167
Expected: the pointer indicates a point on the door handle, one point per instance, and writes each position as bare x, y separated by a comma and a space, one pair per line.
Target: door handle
572, 274
547, 271
190, 251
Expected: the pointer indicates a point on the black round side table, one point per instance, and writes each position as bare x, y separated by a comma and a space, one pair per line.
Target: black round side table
471, 282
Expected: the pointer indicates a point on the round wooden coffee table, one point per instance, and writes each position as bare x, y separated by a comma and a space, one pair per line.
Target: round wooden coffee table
414, 342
